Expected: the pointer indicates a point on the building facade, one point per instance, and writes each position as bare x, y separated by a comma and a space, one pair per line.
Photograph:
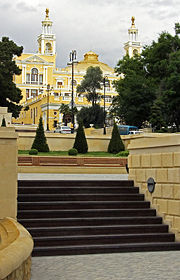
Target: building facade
45, 87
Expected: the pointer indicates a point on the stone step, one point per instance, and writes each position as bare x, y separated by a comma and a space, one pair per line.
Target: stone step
77, 190
102, 239
79, 197
55, 222
97, 230
73, 205
75, 183
85, 213
106, 248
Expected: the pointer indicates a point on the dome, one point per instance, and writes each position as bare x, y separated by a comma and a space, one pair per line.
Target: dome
91, 56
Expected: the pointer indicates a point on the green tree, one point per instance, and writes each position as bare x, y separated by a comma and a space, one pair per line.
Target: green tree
91, 83
10, 95
80, 143
3, 122
162, 60
67, 112
135, 92
40, 142
115, 145
92, 115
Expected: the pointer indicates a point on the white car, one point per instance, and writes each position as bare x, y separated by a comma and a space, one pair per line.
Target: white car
63, 129
135, 132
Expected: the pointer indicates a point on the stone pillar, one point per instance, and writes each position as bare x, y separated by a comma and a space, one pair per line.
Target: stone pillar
8, 172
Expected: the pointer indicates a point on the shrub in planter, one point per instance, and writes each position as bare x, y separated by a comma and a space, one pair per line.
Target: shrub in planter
33, 152
3, 122
40, 142
116, 144
80, 143
122, 154
72, 152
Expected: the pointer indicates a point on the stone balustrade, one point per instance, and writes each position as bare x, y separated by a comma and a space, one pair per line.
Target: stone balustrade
16, 246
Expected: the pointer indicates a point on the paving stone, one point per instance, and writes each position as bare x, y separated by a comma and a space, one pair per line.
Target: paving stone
124, 266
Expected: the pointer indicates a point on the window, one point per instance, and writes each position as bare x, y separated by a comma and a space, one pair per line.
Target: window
135, 51
59, 84
28, 78
40, 79
27, 93
31, 113
36, 111
48, 48
34, 93
74, 82
34, 76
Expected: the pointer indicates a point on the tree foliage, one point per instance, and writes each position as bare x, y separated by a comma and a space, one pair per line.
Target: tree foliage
135, 92
40, 142
162, 60
91, 83
10, 95
67, 112
115, 145
91, 115
150, 90
80, 143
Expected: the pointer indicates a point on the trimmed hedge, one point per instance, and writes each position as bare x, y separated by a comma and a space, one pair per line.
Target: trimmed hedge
33, 152
80, 143
72, 152
116, 144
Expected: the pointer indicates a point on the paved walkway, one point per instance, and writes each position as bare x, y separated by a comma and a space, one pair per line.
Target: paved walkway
43, 176
124, 266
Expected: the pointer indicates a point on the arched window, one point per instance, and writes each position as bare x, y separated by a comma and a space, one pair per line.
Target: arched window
48, 48
74, 83
34, 76
135, 51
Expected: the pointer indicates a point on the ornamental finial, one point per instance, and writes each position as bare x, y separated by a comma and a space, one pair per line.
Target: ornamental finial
47, 13
133, 20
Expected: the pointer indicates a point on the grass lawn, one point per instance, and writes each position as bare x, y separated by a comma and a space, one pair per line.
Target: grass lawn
65, 153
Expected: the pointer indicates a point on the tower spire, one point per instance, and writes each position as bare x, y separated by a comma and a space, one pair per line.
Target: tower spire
47, 40
133, 46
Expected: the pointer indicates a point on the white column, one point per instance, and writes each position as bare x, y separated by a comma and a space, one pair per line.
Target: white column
44, 77
54, 47
42, 46
23, 72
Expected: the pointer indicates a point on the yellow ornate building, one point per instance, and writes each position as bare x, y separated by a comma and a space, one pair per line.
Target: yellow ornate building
45, 87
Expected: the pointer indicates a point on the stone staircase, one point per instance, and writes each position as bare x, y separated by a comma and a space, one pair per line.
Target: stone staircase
87, 217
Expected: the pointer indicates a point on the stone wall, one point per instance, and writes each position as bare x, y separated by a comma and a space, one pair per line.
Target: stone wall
8, 172
159, 159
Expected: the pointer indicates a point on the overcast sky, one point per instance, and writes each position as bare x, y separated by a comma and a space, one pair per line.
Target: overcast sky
84, 25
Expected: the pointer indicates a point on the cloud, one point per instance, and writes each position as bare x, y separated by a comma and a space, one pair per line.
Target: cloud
100, 25
24, 7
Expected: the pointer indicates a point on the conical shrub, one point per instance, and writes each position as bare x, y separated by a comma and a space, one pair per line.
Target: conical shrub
40, 142
80, 143
3, 122
116, 144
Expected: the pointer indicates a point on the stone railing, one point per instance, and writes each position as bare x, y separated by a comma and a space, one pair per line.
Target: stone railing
159, 158
16, 246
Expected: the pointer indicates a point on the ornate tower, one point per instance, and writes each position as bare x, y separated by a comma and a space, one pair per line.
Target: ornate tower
47, 40
133, 46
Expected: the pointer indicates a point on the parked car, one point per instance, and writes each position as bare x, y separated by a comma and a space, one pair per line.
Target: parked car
135, 132
63, 129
